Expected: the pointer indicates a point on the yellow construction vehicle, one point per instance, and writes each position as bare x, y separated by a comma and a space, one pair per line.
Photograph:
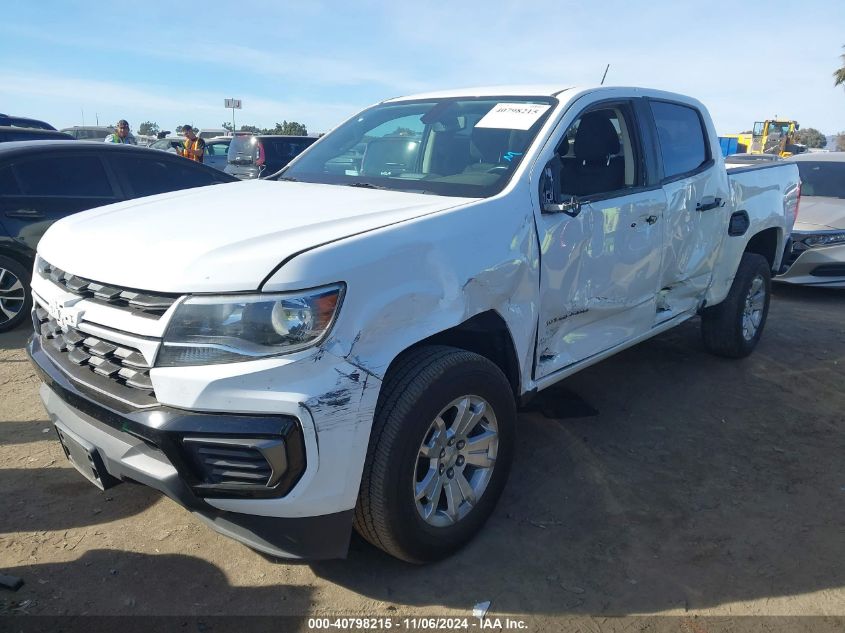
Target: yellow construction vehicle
776, 137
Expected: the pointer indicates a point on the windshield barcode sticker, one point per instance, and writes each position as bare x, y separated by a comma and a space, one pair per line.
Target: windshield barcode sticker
513, 116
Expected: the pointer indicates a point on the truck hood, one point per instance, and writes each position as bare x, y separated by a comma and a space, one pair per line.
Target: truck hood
223, 237
818, 213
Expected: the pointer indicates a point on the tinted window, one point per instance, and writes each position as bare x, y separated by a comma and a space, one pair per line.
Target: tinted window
285, 149
30, 135
822, 178
33, 123
681, 138
8, 184
64, 176
148, 176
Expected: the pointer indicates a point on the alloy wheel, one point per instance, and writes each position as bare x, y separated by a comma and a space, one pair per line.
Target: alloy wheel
752, 313
455, 461
12, 295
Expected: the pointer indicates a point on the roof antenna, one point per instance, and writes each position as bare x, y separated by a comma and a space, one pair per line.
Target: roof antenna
604, 75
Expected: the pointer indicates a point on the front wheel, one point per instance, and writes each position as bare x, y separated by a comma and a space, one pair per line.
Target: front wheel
439, 455
733, 327
15, 295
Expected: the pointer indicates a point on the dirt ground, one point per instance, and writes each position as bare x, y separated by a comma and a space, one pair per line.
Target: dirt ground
661, 481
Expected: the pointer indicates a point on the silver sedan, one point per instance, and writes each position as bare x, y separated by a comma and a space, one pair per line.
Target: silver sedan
818, 239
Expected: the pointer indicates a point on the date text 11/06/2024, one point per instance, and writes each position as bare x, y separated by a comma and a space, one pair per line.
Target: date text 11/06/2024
414, 624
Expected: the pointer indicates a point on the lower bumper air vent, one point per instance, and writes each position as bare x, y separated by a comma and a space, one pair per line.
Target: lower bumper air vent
237, 463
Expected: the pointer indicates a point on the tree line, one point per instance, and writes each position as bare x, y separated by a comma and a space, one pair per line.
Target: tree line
289, 128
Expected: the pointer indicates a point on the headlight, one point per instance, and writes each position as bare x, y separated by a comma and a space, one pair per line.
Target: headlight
207, 330
811, 240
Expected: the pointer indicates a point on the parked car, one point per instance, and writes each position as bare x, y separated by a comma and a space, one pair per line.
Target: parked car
817, 256
7, 120
252, 156
14, 133
89, 132
212, 132
745, 159
217, 152
291, 357
170, 144
44, 181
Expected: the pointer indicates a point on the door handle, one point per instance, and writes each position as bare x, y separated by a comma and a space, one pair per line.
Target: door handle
25, 214
651, 219
709, 203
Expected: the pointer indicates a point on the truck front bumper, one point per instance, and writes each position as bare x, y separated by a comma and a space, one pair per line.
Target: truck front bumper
149, 447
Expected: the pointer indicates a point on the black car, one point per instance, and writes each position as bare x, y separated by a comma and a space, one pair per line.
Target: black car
14, 133
23, 121
252, 156
44, 181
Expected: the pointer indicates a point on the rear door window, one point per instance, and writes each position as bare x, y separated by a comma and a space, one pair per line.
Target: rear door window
69, 176
681, 136
149, 176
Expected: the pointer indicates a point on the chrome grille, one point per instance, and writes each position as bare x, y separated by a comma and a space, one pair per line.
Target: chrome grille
117, 369
142, 302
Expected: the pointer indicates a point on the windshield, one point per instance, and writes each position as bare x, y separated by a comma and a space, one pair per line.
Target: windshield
778, 128
822, 178
466, 147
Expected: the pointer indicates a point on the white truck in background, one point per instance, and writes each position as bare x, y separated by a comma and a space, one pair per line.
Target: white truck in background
346, 343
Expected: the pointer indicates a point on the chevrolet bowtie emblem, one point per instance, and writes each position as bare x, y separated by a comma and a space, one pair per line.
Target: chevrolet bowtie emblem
65, 313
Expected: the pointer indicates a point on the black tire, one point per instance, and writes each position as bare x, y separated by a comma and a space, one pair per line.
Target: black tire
13, 301
722, 324
414, 393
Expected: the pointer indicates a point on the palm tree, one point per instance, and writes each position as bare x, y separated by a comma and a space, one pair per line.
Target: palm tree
839, 75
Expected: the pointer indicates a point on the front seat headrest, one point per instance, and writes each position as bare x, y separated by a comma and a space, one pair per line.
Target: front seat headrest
596, 138
489, 143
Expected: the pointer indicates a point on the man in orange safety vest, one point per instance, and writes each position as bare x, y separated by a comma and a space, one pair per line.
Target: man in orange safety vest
192, 147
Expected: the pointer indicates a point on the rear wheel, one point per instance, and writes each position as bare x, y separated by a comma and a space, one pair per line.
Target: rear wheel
733, 327
439, 454
15, 294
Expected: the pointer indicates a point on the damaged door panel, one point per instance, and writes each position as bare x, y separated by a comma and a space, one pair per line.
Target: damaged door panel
598, 278
696, 215
599, 269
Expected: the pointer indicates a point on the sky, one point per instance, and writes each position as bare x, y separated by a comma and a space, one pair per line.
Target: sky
318, 62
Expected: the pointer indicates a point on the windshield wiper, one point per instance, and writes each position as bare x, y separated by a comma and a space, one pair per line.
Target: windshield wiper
288, 178
365, 185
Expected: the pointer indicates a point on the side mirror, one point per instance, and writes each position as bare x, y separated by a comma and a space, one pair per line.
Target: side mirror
551, 198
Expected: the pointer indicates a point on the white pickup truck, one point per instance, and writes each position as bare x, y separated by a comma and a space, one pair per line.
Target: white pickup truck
347, 343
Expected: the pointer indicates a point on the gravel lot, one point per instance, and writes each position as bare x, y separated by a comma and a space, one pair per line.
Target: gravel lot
662, 481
